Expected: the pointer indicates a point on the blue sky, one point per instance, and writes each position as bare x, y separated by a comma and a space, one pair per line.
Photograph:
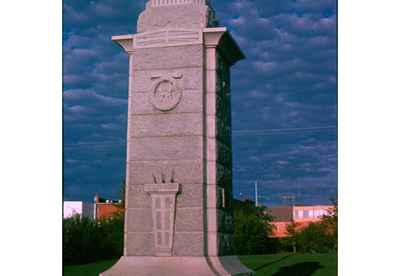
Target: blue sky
284, 98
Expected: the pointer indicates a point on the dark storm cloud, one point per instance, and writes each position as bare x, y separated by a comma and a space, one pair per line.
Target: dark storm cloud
288, 81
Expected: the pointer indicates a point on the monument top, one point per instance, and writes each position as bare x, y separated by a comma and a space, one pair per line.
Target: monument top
170, 14
160, 3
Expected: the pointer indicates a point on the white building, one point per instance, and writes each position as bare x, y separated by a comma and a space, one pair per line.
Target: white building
72, 208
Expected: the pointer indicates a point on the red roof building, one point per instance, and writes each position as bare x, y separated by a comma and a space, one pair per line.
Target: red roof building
105, 208
301, 215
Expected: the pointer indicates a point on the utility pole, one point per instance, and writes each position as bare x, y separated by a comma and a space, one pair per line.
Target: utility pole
256, 192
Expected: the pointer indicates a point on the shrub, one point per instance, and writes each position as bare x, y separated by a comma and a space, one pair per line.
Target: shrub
314, 239
86, 241
112, 239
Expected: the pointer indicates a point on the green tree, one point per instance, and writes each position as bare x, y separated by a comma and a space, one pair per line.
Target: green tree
330, 224
251, 228
320, 237
292, 231
86, 240
314, 239
80, 239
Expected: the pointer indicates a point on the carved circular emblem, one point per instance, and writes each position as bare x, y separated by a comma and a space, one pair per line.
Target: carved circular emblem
166, 94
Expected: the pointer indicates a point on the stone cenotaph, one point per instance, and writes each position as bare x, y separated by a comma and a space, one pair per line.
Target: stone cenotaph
178, 218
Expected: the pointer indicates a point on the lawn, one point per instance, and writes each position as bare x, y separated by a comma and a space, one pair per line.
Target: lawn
93, 269
263, 265
292, 265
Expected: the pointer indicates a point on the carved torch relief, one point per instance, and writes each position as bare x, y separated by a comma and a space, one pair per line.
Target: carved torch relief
163, 198
166, 92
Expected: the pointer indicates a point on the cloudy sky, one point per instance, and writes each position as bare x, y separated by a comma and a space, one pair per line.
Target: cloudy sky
284, 97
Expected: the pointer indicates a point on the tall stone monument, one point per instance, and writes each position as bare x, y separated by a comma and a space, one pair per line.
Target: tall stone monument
179, 163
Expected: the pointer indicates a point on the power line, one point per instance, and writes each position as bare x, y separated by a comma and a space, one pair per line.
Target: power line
259, 132
277, 131
105, 144
289, 129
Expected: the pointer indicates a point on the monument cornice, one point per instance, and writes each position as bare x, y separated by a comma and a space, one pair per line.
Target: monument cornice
125, 41
212, 38
168, 37
221, 38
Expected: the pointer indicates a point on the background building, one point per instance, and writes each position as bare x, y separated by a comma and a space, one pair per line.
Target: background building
83, 209
106, 208
100, 209
302, 215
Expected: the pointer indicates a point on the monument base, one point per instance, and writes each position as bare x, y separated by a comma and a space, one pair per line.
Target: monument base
179, 266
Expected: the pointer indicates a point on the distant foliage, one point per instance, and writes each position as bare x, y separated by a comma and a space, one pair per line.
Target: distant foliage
314, 239
289, 243
86, 241
330, 223
252, 227
320, 237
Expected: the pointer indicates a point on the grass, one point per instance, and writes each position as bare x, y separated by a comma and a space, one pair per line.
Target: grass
93, 269
263, 265
292, 265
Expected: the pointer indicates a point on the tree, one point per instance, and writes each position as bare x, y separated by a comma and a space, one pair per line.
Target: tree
330, 224
292, 231
314, 239
318, 237
251, 228
86, 240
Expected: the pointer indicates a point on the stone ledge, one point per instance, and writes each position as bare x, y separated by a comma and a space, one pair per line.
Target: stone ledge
161, 188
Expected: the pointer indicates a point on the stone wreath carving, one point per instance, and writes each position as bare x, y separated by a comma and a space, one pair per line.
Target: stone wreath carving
166, 92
